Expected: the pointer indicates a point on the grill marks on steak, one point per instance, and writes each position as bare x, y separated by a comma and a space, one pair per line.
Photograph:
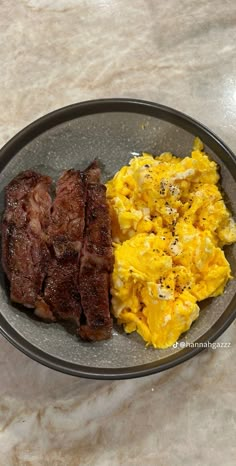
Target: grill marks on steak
58, 256
65, 232
96, 260
25, 255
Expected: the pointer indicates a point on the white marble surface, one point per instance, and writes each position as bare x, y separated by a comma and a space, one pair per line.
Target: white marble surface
181, 54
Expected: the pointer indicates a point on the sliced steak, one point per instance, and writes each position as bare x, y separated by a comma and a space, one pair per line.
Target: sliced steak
92, 174
61, 295
25, 255
94, 289
58, 256
96, 260
97, 246
67, 221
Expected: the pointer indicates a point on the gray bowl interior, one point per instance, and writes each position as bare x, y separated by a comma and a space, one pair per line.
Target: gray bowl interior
112, 138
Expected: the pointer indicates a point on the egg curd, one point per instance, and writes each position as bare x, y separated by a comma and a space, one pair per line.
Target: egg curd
169, 224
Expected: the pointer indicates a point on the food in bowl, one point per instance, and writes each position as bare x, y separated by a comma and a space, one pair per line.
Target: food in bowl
57, 255
169, 225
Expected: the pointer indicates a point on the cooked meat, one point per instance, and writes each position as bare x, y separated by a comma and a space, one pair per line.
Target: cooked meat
96, 260
94, 291
28, 200
61, 299
92, 174
43, 310
25, 255
67, 221
58, 256
61, 295
97, 247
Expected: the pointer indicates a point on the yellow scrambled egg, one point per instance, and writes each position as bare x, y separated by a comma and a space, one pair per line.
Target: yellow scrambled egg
169, 223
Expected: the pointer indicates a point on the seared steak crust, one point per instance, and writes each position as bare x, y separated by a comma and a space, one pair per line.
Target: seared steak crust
25, 254
67, 219
58, 256
96, 260
94, 292
61, 296
97, 246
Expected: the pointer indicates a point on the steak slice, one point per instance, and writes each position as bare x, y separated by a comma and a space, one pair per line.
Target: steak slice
96, 260
61, 295
92, 174
67, 219
25, 255
97, 246
56, 260
94, 290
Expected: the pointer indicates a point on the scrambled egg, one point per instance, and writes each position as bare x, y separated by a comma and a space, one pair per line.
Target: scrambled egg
169, 223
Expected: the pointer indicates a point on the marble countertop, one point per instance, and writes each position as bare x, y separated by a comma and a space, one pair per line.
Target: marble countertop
180, 54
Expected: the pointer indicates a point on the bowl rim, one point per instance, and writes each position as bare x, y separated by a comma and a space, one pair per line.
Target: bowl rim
125, 105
